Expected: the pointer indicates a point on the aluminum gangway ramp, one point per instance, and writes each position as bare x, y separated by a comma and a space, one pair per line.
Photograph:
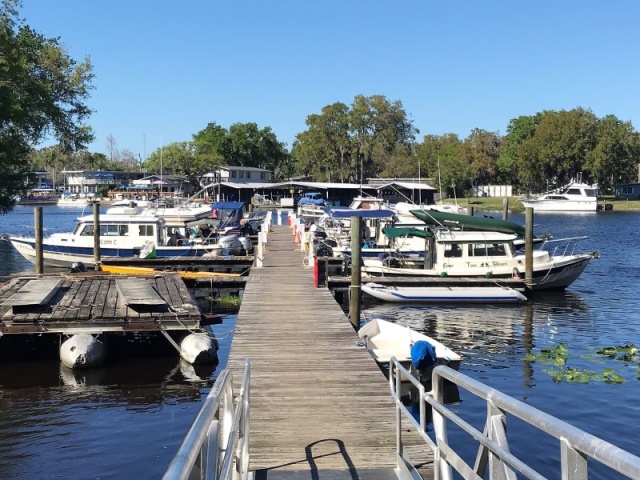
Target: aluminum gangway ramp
320, 406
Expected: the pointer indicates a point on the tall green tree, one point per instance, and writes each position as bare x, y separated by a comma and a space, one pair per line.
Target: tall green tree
211, 146
250, 146
558, 150
519, 130
350, 144
616, 154
177, 158
378, 127
441, 159
481, 150
42, 94
324, 149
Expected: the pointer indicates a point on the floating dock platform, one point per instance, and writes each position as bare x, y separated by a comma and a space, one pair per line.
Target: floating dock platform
96, 303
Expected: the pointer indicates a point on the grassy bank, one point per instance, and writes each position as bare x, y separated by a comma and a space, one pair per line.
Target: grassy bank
494, 204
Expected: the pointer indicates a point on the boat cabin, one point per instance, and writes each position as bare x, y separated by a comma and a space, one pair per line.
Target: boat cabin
124, 229
470, 249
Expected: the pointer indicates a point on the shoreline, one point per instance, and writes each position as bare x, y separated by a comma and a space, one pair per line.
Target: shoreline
494, 204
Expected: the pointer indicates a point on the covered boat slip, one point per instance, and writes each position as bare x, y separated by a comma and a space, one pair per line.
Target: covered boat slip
320, 405
95, 303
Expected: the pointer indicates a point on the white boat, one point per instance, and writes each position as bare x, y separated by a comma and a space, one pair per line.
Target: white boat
489, 294
124, 232
385, 340
73, 200
488, 252
575, 197
403, 209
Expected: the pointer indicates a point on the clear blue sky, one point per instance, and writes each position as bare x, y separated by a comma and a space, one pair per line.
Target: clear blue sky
166, 68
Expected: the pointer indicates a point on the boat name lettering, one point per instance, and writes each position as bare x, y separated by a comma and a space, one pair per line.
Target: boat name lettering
108, 242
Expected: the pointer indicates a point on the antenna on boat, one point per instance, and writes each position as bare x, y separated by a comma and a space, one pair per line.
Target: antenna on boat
439, 179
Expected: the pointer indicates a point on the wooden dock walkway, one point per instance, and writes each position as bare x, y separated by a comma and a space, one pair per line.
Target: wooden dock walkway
318, 402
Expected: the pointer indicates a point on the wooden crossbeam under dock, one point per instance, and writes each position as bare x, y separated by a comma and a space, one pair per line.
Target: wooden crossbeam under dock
318, 399
94, 303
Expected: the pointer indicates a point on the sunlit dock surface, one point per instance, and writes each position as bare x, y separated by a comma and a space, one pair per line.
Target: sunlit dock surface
318, 402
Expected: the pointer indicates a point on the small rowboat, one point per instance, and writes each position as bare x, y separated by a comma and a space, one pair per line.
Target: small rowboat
493, 294
188, 274
385, 339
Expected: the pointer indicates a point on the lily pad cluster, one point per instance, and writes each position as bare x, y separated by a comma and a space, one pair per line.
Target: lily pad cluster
558, 355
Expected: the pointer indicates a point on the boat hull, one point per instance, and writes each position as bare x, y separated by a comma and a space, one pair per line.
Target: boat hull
567, 206
437, 294
65, 256
385, 340
546, 277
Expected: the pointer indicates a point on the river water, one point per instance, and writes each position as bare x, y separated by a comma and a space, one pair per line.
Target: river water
126, 420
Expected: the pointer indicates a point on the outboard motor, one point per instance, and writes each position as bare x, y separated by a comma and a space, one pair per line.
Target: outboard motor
346, 265
78, 267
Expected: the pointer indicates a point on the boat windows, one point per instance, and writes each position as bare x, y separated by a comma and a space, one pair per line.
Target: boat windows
145, 230
452, 250
87, 231
487, 250
110, 230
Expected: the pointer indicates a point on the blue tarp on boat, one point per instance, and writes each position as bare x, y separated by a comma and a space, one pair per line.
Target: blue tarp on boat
350, 212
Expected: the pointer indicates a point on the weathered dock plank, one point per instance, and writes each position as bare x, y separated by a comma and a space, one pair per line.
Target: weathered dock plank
318, 400
92, 303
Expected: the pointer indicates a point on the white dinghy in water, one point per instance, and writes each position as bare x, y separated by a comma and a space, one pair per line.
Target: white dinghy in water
385, 339
493, 294
82, 351
198, 348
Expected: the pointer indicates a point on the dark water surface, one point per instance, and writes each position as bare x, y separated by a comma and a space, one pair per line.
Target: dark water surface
127, 419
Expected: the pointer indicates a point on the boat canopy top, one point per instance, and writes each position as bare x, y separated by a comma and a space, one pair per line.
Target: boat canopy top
395, 232
228, 205
487, 224
350, 212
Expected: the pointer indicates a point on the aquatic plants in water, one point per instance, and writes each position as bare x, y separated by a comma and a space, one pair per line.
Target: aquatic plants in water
558, 355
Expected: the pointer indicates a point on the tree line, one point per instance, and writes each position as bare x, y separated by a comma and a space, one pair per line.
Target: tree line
43, 94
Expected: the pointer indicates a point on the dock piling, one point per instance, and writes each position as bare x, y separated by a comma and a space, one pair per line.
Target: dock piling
528, 247
37, 214
356, 273
96, 235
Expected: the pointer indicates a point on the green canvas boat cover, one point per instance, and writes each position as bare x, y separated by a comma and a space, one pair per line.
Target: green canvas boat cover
395, 232
487, 224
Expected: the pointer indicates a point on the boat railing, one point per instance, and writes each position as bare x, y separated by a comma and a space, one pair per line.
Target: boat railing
562, 246
577, 447
217, 444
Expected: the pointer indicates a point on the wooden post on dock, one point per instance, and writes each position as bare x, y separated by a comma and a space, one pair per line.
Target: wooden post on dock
505, 208
528, 247
37, 216
356, 274
96, 235
259, 250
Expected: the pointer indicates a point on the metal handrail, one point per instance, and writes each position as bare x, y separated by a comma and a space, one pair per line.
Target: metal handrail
222, 423
575, 445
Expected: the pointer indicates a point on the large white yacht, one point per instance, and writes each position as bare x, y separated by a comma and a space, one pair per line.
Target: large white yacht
575, 197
